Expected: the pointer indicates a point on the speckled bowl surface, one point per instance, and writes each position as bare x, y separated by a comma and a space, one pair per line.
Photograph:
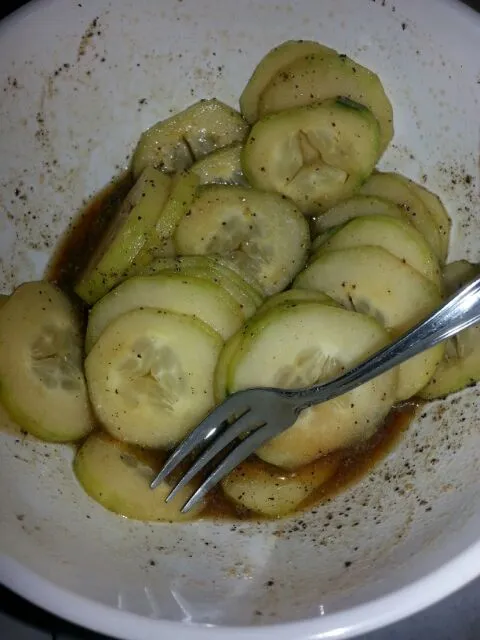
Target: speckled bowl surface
79, 82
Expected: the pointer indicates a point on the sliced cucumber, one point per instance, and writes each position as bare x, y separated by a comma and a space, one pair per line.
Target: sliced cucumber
321, 239
290, 297
221, 167
293, 296
221, 371
232, 346
176, 143
262, 232
207, 267
438, 212
397, 236
269, 66
268, 490
355, 207
459, 273
41, 378
297, 346
175, 292
319, 76
118, 476
394, 187
315, 155
460, 367
159, 243
158, 265
150, 376
126, 236
371, 280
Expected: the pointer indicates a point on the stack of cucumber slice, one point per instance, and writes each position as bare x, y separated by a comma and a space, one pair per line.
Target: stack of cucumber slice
126, 236
259, 248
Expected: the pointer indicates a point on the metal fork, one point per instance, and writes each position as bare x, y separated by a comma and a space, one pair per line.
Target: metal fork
249, 418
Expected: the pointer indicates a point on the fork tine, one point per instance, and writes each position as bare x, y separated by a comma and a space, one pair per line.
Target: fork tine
205, 431
223, 440
232, 460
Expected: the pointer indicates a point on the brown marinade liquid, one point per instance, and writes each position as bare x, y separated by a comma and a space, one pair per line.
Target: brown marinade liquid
72, 255
75, 249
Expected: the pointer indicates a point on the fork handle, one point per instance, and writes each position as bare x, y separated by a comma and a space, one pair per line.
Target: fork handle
460, 312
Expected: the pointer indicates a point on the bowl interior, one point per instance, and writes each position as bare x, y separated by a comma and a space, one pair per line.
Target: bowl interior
79, 84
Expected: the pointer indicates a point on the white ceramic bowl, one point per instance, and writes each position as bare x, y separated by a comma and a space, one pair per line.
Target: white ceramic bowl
74, 79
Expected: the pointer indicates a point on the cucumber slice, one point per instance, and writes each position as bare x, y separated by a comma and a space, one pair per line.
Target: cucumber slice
293, 296
221, 167
355, 207
159, 243
299, 346
316, 77
397, 236
118, 476
438, 212
158, 266
221, 371
290, 297
394, 187
321, 239
41, 379
262, 232
150, 376
371, 280
269, 66
175, 292
458, 274
269, 491
207, 267
315, 155
126, 236
460, 367
184, 188
174, 144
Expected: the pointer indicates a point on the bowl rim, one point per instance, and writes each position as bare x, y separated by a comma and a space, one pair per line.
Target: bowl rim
400, 603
